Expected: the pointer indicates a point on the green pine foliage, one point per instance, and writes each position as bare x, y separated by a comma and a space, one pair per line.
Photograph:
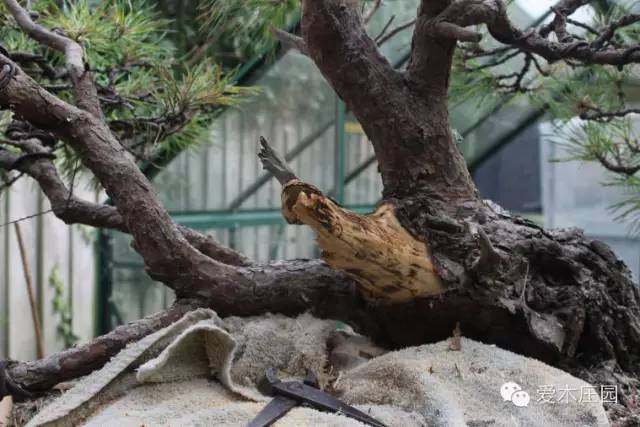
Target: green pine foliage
153, 99
577, 99
247, 23
165, 69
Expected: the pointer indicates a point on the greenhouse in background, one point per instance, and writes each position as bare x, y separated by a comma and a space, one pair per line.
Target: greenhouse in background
220, 188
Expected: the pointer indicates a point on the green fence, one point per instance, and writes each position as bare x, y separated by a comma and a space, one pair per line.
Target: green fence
221, 189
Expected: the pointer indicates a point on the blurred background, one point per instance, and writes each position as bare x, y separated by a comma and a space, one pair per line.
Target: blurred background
218, 187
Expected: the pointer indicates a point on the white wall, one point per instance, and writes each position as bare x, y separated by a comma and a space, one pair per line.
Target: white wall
49, 243
573, 196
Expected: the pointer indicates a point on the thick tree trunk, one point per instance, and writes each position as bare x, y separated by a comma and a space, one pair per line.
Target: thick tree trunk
405, 118
440, 255
553, 295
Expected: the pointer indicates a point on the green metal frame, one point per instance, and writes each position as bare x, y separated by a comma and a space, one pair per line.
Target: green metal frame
248, 73
207, 220
340, 154
233, 217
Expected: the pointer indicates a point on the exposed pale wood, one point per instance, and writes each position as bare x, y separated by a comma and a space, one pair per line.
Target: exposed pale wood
374, 250
581, 310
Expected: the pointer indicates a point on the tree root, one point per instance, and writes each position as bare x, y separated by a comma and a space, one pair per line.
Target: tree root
552, 295
25, 378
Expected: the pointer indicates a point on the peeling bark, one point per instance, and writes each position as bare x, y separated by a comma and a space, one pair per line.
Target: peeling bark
375, 250
555, 295
432, 255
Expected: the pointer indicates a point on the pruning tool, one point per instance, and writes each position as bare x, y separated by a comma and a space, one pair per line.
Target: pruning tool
289, 394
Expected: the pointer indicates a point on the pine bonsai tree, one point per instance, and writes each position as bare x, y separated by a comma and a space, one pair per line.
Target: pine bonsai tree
100, 85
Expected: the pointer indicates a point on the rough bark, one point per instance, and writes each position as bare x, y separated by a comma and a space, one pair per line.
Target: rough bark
554, 295
37, 163
85, 90
287, 287
386, 261
42, 374
451, 18
168, 256
385, 101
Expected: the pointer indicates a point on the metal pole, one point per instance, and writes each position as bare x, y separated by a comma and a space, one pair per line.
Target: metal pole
340, 151
6, 307
28, 278
105, 282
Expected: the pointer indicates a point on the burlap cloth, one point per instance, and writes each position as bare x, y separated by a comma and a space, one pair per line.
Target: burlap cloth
202, 371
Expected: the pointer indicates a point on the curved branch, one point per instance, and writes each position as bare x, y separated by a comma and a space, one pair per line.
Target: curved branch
208, 246
64, 205
617, 167
598, 114
85, 91
563, 9
274, 163
42, 374
168, 256
608, 33
447, 30
493, 13
289, 40
72, 210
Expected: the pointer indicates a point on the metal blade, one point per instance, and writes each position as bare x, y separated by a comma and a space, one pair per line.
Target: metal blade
274, 410
321, 400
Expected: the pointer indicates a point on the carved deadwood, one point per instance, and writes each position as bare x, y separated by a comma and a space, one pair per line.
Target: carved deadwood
553, 295
386, 262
